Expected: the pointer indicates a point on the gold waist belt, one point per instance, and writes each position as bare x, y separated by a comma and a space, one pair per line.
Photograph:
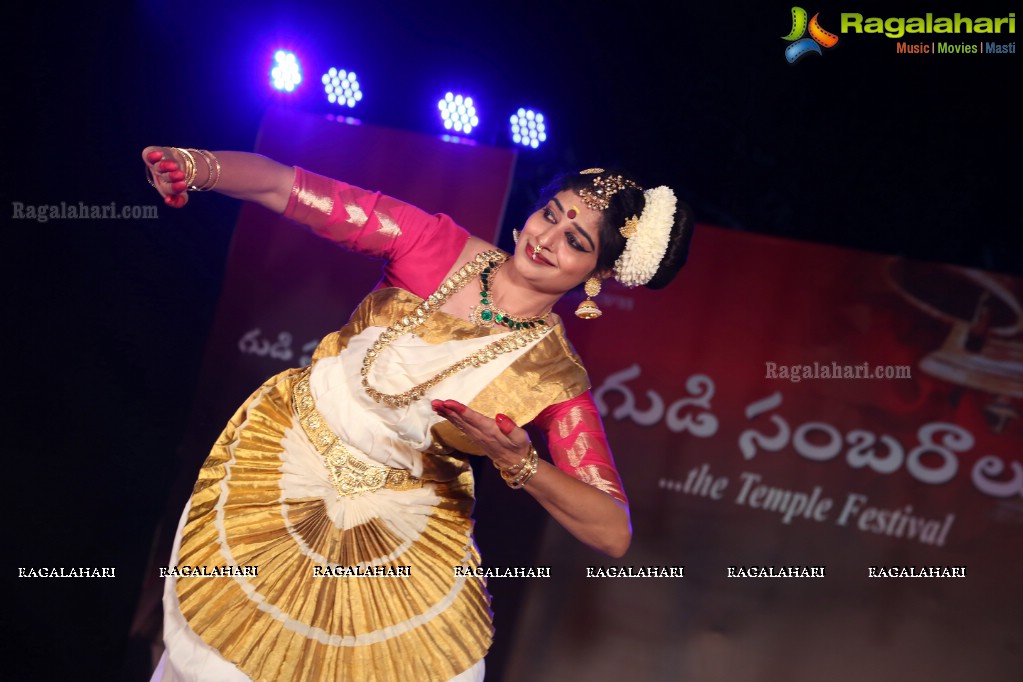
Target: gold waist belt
349, 475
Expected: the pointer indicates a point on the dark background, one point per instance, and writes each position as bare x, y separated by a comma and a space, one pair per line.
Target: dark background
106, 319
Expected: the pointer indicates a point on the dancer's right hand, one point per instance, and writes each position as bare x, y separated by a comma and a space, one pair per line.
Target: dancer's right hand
165, 174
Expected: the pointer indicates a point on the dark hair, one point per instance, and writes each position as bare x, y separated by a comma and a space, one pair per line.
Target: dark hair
626, 203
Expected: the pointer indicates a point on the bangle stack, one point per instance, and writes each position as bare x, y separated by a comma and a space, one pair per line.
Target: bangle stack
212, 168
189, 165
519, 475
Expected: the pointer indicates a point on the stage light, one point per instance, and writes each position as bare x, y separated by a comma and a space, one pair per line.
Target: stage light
528, 128
458, 113
342, 87
286, 73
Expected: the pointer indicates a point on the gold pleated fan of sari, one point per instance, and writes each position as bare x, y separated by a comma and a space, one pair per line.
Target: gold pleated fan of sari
285, 623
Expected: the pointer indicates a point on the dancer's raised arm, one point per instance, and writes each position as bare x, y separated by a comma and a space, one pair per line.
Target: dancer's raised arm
242, 175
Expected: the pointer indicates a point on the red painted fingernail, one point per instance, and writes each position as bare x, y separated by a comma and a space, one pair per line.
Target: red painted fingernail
454, 406
154, 156
504, 423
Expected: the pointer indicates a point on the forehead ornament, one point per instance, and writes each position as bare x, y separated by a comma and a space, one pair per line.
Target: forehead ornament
604, 187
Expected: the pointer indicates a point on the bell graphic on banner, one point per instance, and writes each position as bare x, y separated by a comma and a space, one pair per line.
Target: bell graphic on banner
984, 347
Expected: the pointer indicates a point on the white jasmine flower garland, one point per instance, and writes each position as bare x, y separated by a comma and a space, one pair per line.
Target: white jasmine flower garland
643, 251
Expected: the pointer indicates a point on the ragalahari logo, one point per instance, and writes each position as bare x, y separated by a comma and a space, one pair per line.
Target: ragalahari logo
802, 46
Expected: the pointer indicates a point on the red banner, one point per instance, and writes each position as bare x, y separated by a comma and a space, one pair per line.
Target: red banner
827, 444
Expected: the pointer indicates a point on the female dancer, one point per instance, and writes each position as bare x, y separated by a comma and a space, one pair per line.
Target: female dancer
335, 509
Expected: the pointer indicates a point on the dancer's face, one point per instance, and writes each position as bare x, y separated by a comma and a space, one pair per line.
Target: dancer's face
559, 244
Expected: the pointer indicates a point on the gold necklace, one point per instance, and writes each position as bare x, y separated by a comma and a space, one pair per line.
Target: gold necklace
486, 314
519, 338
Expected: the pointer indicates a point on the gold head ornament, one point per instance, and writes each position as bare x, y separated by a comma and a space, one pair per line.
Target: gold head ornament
604, 187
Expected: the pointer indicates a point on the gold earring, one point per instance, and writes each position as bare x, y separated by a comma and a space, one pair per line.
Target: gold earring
588, 309
515, 236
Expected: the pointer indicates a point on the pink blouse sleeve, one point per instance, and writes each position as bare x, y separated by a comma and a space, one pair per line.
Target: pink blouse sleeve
578, 445
419, 248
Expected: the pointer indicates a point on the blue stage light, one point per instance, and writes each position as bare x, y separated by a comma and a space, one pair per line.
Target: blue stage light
286, 73
528, 128
458, 113
342, 87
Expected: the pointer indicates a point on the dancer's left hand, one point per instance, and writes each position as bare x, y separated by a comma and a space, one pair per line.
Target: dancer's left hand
503, 441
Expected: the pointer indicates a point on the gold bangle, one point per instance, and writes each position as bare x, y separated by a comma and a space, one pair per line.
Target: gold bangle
524, 478
514, 469
214, 174
209, 170
189, 166
529, 468
212, 170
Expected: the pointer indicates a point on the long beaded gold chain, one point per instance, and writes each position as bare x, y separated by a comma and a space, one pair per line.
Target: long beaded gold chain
407, 324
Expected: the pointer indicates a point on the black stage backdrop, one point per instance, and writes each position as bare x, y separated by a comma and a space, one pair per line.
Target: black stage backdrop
912, 155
